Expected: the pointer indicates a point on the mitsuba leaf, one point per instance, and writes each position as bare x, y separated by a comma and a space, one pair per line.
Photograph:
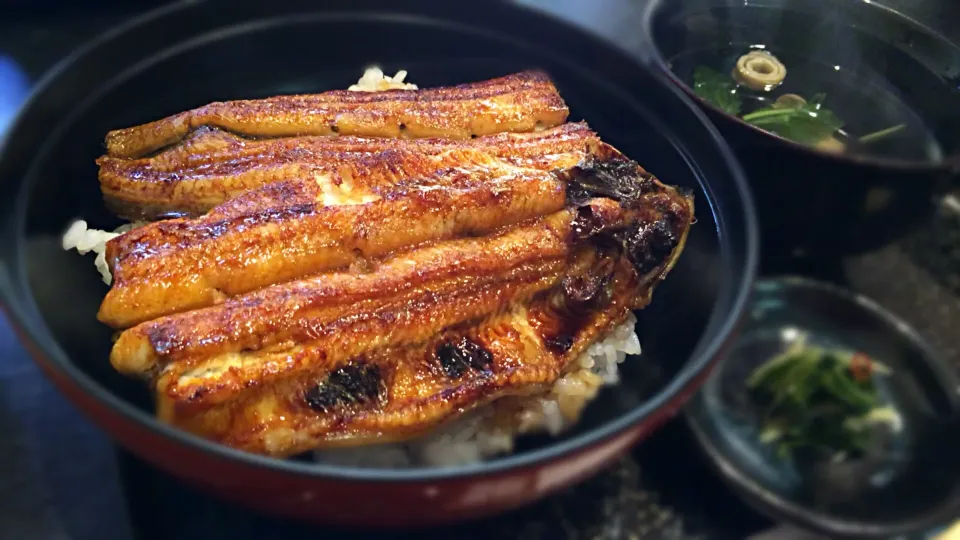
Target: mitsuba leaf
717, 89
807, 124
808, 400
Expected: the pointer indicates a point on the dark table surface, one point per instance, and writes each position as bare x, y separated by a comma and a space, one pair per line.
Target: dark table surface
61, 478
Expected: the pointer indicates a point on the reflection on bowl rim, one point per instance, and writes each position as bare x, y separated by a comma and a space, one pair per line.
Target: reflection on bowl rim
653, 55
773, 504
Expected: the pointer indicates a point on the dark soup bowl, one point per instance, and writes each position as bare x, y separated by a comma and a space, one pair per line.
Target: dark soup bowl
859, 158
193, 53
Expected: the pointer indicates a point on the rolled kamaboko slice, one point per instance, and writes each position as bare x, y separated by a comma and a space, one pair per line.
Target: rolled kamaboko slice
272, 235
206, 356
517, 103
396, 394
212, 166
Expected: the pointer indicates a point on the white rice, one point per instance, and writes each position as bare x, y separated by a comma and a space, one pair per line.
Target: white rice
478, 435
489, 432
85, 240
374, 80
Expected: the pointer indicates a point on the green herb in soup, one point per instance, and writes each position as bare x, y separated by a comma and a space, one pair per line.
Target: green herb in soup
880, 134
717, 89
819, 399
749, 86
806, 122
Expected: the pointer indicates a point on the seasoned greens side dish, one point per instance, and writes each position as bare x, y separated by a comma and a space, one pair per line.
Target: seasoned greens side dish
825, 401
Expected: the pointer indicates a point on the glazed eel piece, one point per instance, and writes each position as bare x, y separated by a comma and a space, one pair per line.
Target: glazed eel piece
289, 230
202, 345
389, 351
516, 103
399, 393
210, 353
233, 333
212, 166
400, 390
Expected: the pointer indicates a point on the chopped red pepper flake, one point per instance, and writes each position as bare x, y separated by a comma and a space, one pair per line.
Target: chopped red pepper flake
861, 367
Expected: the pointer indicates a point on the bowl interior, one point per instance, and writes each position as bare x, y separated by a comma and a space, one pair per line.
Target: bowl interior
919, 460
877, 68
253, 56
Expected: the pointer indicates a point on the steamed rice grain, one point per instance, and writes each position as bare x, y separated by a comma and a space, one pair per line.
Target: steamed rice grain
374, 80
85, 240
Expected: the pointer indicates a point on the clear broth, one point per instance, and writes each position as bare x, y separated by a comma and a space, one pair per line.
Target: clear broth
864, 104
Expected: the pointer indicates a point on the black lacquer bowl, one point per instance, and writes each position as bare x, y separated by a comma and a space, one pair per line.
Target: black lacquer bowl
908, 483
877, 68
192, 53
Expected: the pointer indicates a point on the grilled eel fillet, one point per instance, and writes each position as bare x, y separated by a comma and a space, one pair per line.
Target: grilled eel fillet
387, 349
289, 230
211, 165
515, 103
398, 393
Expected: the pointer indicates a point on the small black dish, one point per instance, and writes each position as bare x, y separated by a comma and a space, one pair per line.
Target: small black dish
876, 66
912, 486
